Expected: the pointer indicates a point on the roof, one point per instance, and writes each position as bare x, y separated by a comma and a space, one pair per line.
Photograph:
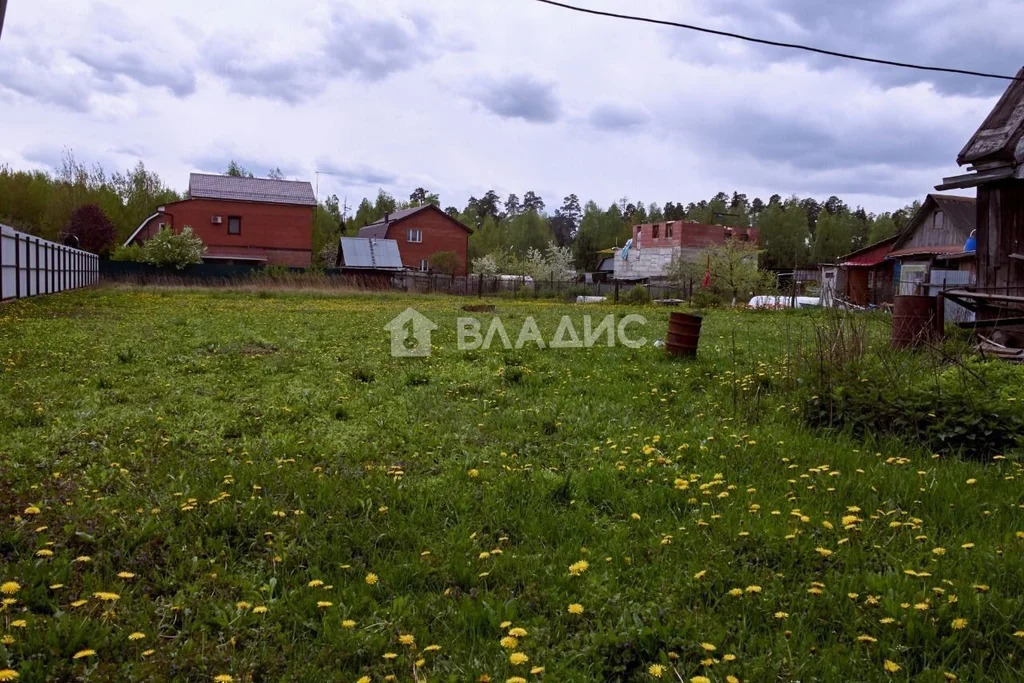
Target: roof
139, 229
943, 250
869, 256
380, 228
607, 264
364, 252
264, 190
998, 137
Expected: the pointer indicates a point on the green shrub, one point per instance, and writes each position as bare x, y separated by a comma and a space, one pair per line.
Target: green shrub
132, 253
962, 409
705, 298
169, 250
635, 295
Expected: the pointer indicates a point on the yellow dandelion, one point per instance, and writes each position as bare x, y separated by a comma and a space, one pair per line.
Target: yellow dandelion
10, 587
315, 583
82, 558
348, 623
577, 568
891, 666
8, 675
407, 639
753, 589
32, 510
515, 679
259, 609
84, 653
147, 653
138, 635
19, 623
106, 597
517, 658
509, 642
537, 670
45, 552
656, 670
700, 575
865, 638
364, 679
79, 603
223, 678
824, 552
782, 615
518, 632
431, 648
390, 655
575, 608
324, 604
938, 551
708, 647
242, 604
125, 575
700, 679
371, 579
959, 623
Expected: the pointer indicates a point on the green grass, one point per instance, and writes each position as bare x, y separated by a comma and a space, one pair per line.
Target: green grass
231, 448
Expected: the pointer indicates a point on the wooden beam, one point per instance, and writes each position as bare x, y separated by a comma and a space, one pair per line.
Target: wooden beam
989, 324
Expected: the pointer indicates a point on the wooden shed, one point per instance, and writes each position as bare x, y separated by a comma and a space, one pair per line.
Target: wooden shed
995, 160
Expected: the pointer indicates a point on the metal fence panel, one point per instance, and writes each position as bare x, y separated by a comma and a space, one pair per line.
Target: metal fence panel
30, 266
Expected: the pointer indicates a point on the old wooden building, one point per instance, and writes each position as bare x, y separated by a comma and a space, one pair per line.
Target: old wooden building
932, 248
995, 160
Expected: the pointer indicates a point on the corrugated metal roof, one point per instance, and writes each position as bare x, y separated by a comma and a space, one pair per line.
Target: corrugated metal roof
944, 250
205, 186
365, 252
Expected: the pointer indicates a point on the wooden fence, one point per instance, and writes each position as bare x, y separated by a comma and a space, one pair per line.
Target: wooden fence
30, 266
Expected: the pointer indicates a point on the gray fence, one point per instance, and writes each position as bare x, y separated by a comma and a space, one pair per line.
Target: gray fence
30, 266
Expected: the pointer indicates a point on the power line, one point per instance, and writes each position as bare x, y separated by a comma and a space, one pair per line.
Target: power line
775, 43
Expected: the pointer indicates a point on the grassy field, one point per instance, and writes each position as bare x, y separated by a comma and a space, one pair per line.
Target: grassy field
224, 486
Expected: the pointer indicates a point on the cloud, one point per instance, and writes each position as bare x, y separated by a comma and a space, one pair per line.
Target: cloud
520, 97
374, 47
613, 117
250, 71
216, 161
358, 174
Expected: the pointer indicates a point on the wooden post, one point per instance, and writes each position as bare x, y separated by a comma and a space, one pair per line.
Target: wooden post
616, 291
480, 287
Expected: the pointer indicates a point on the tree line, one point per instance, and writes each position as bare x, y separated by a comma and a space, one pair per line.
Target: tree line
795, 231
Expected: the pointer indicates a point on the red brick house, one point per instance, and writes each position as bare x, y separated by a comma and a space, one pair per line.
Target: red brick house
654, 246
421, 232
242, 220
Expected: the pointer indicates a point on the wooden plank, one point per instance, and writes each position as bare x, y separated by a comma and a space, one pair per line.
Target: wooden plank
989, 324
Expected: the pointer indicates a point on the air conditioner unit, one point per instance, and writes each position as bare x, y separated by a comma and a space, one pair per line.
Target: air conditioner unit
217, 220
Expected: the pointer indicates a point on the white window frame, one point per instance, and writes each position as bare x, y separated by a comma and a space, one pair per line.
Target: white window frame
424, 265
414, 236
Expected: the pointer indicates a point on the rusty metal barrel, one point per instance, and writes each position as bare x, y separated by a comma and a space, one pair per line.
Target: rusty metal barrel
913, 321
683, 334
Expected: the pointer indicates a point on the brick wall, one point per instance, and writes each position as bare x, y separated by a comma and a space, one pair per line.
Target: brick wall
280, 233
440, 233
686, 234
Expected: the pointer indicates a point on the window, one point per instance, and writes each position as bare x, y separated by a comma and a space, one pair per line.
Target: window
234, 225
668, 229
654, 231
938, 221
416, 235
424, 265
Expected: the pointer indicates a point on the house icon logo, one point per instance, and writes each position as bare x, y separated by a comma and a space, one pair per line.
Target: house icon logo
410, 334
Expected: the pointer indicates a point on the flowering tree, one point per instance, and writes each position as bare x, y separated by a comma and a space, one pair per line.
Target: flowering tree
167, 249
554, 263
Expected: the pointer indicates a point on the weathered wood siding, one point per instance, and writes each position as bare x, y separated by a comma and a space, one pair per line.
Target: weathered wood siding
927, 235
1000, 234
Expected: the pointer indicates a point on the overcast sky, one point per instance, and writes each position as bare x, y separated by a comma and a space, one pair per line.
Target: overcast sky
460, 96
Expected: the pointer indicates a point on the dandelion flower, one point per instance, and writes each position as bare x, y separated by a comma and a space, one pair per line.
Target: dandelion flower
656, 670
147, 653
126, 575
223, 678
242, 604
106, 597
348, 623
708, 647
324, 604
824, 552
938, 551
45, 552
315, 583
517, 658
138, 635
407, 639
577, 568
515, 679
84, 653
364, 679
518, 632
259, 609
753, 589
509, 642
959, 623
390, 655
19, 623
537, 670
700, 679
371, 579
865, 638
432, 648
575, 608
10, 587
891, 666
782, 615
32, 510
8, 675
